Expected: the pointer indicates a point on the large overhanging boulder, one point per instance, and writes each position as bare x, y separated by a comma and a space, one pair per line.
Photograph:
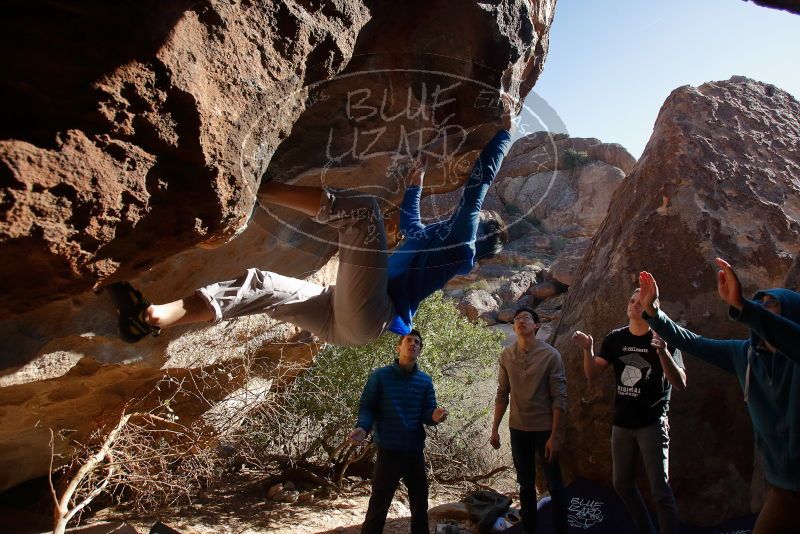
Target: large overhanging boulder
122, 124
787, 5
118, 151
719, 177
136, 152
150, 133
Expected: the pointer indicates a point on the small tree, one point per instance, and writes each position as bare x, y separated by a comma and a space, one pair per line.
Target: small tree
71, 502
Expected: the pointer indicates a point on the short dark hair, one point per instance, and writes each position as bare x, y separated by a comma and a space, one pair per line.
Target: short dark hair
414, 332
492, 235
529, 310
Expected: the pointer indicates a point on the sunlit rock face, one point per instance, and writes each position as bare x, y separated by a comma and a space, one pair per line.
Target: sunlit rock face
720, 176
123, 146
563, 186
569, 203
136, 151
553, 191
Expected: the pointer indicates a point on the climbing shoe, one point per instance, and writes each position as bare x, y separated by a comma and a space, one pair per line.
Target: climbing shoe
131, 306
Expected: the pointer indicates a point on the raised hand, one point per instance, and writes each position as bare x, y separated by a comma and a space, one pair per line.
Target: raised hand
584, 341
439, 415
648, 292
416, 171
357, 436
728, 286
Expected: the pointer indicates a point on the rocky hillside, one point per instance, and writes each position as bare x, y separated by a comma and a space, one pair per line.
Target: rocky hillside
553, 191
135, 137
136, 134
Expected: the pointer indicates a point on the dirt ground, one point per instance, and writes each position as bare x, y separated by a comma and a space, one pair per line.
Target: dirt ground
241, 507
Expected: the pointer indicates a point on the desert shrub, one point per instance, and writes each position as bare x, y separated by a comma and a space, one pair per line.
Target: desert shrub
572, 158
477, 284
147, 457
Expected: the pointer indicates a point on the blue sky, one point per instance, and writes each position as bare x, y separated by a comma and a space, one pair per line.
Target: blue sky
612, 63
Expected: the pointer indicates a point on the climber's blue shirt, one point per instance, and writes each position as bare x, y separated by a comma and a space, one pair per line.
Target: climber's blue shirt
431, 255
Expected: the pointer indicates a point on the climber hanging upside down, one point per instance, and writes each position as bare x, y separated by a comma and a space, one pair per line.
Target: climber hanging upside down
374, 290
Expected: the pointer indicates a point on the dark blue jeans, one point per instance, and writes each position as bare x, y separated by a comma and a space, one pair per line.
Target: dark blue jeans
524, 447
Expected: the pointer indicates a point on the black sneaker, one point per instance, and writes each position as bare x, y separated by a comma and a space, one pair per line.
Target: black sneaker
131, 305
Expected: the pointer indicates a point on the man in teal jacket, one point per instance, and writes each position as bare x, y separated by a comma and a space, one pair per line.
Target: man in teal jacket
768, 368
397, 400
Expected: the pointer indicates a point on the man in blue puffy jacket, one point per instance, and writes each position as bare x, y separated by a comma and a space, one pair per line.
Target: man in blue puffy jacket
768, 368
397, 400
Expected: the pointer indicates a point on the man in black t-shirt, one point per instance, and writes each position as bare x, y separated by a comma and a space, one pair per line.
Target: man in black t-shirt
645, 373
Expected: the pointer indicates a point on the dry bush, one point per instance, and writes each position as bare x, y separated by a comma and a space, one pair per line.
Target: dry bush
145, 455
148, 457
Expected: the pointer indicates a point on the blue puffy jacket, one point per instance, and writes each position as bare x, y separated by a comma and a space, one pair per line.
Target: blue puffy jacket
771, 381
397, 403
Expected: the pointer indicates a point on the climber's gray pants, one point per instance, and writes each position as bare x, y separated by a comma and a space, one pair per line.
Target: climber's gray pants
354, 311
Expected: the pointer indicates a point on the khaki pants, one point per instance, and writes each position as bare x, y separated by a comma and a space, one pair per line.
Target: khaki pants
354, 311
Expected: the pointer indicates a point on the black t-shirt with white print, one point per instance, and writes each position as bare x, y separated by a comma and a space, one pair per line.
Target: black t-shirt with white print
642, 388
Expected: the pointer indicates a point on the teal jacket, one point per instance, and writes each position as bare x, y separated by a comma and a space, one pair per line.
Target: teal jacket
771, 381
